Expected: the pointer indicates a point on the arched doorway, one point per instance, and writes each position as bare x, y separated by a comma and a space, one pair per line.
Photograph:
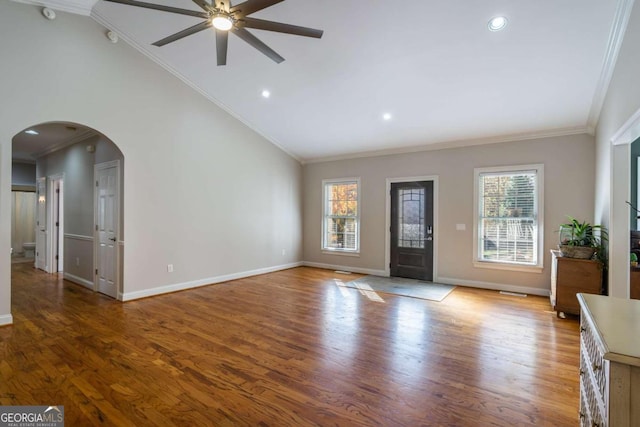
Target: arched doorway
78, 184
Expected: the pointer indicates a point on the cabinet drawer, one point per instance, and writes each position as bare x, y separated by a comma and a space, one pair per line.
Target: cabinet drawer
585, 420
594, 361
591, 413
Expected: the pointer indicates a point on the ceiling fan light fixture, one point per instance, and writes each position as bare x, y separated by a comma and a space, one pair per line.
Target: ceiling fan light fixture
222, 22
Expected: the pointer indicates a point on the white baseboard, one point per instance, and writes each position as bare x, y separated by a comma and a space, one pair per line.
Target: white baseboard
129, 296
345, 268
78, 280
493, 286
6, 319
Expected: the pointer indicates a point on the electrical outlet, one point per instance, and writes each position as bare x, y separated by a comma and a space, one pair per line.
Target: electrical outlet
170, 268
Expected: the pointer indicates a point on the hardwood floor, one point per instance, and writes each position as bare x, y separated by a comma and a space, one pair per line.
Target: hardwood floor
291, 348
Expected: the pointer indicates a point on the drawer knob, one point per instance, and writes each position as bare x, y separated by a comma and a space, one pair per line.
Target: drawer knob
582, 329
581, 414
581, 372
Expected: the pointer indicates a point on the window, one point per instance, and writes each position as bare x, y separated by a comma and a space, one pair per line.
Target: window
341, 215
508, 217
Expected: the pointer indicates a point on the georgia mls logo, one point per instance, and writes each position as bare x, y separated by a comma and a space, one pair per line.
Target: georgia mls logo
31, 416
53, 408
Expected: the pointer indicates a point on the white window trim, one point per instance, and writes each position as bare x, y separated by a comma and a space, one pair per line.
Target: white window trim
335, 251
497, 265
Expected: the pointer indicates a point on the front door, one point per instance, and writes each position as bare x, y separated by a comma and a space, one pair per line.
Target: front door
412, 230
107, 209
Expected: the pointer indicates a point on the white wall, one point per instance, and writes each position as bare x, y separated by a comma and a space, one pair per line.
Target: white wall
202, 191
569, 162
613, 162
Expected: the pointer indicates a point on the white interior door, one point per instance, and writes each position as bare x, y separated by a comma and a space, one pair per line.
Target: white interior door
55, 260
41, 224
107, 209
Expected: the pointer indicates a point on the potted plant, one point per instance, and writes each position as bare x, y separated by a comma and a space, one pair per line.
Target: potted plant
582, 239
633, 259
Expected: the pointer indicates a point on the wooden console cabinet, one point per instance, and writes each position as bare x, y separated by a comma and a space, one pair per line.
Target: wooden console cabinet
609, 361
570, 276
634, 277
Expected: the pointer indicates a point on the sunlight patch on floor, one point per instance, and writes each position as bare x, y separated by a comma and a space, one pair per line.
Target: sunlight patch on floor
363, 288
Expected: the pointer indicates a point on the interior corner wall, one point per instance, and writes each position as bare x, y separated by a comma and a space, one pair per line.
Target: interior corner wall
202, 191
613, 162
23, 174
569, 162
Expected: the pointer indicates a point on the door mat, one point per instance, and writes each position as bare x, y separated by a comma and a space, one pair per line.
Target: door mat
404, 287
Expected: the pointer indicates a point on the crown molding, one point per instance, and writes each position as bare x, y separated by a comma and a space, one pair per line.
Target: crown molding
629, 131
65, 143
79, 7
23, 161
456, 144
146, 52
616, 37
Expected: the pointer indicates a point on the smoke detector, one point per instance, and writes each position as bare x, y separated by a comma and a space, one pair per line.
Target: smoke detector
113, 37
48, 13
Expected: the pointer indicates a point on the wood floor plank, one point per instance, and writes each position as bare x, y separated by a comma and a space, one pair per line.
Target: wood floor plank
291, 348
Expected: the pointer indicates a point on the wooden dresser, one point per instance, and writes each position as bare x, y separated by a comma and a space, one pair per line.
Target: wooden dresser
609, 361
570, 276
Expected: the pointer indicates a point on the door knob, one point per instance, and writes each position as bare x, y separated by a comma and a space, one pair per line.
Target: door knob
113, 239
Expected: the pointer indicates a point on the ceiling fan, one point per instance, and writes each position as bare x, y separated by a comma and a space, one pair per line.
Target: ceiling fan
225, 18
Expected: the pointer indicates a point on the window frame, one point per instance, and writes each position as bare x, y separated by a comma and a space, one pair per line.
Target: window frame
323, 239
539, 218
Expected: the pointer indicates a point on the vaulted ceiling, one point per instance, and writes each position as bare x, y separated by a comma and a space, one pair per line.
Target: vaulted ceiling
432, 66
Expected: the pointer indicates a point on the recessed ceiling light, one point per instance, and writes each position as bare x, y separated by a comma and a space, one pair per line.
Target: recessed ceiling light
266, 93
386, 116
32, 132
498, 23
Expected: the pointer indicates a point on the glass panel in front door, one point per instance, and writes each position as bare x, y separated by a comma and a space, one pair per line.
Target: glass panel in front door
411, 232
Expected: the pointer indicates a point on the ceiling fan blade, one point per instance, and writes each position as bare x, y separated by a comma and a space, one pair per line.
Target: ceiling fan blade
261, 24
222, 41
184, 33
163, 8
252, 6
255, 42
202, 3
